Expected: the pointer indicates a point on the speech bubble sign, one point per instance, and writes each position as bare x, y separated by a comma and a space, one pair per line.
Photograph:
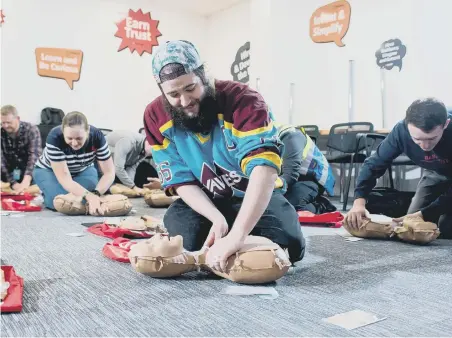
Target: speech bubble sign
330, 23
59, 63
239, 68
138, 32
390, 54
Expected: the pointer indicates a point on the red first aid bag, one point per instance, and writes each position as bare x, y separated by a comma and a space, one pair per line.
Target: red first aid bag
118, 249
113, 232
329, 219
13, 299
21, 202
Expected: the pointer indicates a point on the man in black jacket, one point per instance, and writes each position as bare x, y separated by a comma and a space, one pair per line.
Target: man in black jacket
305, 172
425, 136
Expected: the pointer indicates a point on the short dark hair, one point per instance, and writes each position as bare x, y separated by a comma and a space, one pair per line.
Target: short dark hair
426, 114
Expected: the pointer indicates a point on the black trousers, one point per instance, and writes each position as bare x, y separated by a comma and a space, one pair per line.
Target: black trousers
279, 223
302, 195
430, 187
144, 170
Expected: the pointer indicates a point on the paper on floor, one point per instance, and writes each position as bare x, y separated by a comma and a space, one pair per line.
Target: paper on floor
246, 290
380, 218
353, 319
76, 234
347, 236
112, 220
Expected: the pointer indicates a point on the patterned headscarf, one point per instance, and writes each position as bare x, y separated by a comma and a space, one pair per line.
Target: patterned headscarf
177, 51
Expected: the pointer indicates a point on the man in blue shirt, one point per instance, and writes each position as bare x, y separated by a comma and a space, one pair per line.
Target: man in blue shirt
425, 136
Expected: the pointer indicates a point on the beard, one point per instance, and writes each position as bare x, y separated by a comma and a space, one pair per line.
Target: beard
203, 121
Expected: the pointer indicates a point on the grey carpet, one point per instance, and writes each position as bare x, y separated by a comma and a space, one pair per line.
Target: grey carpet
72, 290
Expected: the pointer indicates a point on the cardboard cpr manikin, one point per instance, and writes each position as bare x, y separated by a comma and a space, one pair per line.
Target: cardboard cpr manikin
32, 190
114, 205
153, 197
412, 229
259, 261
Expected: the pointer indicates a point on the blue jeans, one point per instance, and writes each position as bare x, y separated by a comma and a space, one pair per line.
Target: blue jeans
50, 187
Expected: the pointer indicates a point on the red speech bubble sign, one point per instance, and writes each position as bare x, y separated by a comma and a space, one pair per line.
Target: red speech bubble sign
330, 23
59, 63
138, 32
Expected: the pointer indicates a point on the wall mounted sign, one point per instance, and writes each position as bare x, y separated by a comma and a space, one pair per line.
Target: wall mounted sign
59, 63
330, 23
2, 17
138, 32
390, 54
239, 68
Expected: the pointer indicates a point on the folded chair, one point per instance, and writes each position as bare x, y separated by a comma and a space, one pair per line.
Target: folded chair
343, 148
105, 131
312, 131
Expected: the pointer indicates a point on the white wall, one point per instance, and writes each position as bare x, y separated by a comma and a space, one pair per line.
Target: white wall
227, 31
282, 52
114, 87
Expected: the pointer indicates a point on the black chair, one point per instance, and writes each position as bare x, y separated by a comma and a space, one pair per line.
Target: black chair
343, 148
312, 131
105, 131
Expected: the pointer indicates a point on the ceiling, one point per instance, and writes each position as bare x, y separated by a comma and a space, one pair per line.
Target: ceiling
203, 7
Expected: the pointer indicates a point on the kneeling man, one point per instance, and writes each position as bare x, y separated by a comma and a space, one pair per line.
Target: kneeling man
131, 153
305, 172
216, 146
425, 136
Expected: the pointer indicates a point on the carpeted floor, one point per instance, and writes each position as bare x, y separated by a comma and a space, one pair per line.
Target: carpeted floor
72, 290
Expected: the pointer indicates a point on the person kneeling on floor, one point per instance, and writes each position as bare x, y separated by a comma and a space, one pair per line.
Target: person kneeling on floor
305, 172
425, 136
21, 148
216, 147
66, 165
131, 153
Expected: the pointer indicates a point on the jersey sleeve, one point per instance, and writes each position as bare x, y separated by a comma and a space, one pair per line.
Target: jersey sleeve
100, 143
171, 168
254, 133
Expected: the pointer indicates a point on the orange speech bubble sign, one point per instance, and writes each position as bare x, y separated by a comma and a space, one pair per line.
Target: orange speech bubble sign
59, 63
330, 23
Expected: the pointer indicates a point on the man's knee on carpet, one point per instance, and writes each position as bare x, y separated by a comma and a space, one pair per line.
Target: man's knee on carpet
182, 220
279, 223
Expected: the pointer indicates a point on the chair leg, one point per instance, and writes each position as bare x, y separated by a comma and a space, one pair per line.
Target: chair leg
341, 183
347, 186
391, 181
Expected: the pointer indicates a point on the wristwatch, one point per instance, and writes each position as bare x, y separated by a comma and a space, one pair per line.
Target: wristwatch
96, 192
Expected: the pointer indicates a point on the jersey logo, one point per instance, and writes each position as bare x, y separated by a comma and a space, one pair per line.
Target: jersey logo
221, 182
231, 146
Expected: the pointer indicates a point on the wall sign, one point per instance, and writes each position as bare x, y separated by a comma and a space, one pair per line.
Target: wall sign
239, 68
138, 32
59, 63
2, 17
330, 23
390, 54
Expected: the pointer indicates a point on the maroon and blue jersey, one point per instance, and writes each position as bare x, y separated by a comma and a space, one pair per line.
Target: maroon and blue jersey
222, 160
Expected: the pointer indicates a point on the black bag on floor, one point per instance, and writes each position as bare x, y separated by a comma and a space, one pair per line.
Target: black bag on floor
389, 202
50, 118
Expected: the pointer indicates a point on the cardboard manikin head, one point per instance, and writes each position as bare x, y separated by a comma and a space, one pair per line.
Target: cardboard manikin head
165, 246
